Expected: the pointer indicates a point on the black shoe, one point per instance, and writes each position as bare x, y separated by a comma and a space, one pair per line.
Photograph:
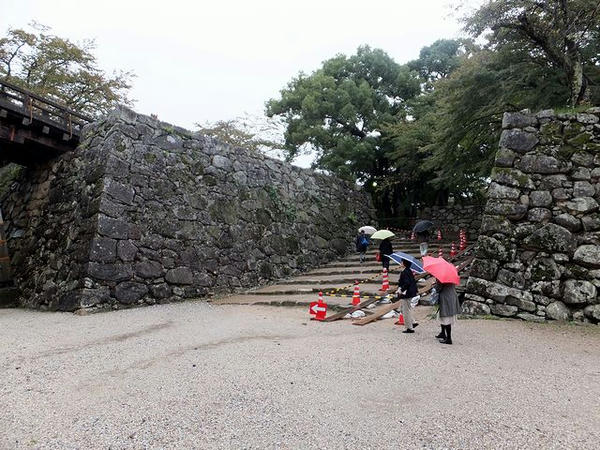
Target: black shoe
446, 341
415, 325
408, 330
442, 334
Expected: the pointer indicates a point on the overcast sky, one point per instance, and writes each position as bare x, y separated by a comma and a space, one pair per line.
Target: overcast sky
210, 60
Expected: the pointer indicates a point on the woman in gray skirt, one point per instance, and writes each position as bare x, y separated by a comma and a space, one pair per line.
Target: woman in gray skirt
449, 309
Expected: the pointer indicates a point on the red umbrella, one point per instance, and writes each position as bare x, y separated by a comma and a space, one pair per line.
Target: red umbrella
444, 271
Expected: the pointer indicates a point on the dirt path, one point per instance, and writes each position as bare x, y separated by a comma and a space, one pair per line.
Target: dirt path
194, 375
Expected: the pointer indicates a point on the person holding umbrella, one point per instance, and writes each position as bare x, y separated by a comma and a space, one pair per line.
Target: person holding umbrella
407, 290
385, 247
447, 277
362, 243
421, 230
449, 309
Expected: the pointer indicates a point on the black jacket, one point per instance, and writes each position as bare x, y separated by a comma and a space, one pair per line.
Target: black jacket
385, 248
407, 283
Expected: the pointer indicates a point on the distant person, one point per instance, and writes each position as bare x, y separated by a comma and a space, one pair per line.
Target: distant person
362, 243
449, 309
423, 240
385, 248
407, 290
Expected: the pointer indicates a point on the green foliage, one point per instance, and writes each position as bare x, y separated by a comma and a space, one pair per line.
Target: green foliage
8, 174
557, 35
339, 111
55, 67
419, 133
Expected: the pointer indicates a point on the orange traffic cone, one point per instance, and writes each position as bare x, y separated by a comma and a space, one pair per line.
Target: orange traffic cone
385, 286
356, 296
400, 320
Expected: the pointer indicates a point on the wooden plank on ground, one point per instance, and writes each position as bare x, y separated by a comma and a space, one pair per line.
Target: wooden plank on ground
349, 310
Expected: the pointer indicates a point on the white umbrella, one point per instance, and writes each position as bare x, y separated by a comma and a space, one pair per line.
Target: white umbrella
382, 234
367, 229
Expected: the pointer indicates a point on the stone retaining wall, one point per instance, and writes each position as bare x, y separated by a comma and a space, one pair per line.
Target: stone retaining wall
538, 255
143, 212
454, 218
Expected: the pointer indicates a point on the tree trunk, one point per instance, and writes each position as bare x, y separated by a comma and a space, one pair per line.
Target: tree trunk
574, 69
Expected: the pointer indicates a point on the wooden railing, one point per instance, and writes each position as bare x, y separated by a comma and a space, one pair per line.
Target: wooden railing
35, 107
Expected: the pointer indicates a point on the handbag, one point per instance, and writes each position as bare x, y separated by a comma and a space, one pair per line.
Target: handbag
378, 257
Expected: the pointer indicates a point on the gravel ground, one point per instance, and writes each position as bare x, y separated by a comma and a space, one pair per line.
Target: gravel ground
193, 375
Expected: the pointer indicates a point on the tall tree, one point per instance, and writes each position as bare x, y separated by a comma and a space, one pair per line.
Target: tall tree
563, 34
410, 138
63, 70
340, 111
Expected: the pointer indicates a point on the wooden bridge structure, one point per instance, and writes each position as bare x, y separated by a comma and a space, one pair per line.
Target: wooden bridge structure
33, 129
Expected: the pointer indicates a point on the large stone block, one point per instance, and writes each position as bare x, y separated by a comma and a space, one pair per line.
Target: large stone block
518, 120
180, 275
558, 311
577, 292
130, 292
552, 238
517, 140
475, 308
103, 249
542, 164
541, 199
504, 310
112, 228
512, 177
588, 255
582, 205
110, 271
592, 312
493, 249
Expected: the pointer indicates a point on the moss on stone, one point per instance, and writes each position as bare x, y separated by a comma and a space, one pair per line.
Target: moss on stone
580, 139
210, 180
8, 174
566, 151
149, 157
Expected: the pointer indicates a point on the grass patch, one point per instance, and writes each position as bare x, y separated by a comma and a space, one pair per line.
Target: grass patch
8, 174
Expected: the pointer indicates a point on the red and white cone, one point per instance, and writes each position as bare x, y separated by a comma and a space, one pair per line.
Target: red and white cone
440, 252
356, 296
439, 235
400, 320
452, 251
320, 299
385, 286
412, 236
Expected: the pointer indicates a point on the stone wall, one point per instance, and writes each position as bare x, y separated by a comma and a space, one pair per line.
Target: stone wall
144, 212
538, 256
453, 218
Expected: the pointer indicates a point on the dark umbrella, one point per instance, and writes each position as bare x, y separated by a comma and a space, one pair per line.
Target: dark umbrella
422, 225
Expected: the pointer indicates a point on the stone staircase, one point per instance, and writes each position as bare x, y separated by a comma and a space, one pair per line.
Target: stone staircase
337, 276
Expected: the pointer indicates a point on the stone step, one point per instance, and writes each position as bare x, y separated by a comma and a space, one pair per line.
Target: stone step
308, 280
334, 303
367, 289
359, 270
